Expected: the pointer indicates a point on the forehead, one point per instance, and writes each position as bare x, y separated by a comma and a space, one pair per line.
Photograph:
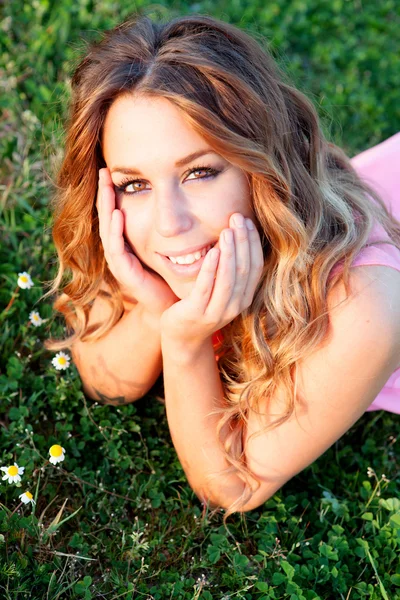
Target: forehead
147, 127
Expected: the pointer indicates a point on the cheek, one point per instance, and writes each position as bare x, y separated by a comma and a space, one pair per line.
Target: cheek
236, 203
236, 196
135, 229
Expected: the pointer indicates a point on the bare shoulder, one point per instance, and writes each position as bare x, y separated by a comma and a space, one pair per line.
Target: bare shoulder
373, 304
99, 313
102, 307
376, 276
105, 290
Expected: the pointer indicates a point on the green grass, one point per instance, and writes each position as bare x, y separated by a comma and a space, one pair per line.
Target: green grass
117, 519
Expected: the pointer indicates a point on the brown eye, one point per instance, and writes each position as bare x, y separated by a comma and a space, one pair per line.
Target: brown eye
211, 172
127, 186
133, 190
124, 186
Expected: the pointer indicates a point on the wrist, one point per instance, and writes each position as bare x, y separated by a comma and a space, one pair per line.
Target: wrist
184, 351
150, 320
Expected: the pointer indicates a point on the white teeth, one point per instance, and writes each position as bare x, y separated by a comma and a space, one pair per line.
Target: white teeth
189, 258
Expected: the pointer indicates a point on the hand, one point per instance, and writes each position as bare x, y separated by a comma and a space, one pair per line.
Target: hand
213, 304
134, 280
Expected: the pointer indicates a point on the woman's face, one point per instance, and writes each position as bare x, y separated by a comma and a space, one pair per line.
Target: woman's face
168, 210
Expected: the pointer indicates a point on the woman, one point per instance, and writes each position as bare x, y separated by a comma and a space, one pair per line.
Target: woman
180, 133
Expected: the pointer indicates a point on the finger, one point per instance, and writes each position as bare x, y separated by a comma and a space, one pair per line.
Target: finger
121, 262
225, 278
202, 290
256, 261
116, 239
106, 205
242, 249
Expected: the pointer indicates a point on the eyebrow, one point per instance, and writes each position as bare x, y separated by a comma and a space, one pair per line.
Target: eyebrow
180, 163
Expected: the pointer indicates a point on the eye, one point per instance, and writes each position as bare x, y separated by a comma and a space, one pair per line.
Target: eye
127, 185
208, 169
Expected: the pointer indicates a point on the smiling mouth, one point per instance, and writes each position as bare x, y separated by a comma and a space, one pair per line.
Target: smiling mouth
190, 258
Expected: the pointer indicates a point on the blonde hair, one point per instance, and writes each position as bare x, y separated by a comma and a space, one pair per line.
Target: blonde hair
313, 210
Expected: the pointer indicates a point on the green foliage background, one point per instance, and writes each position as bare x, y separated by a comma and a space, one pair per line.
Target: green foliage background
135, 528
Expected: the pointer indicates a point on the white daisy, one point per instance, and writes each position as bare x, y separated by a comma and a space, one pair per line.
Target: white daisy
26, 497
56, 454
35, 318
61, 361
13, 473
24, 280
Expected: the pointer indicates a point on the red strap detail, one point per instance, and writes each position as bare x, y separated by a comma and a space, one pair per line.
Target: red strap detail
217, 340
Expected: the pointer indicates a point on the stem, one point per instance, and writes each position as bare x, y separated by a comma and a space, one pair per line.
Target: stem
15, 509
9, 305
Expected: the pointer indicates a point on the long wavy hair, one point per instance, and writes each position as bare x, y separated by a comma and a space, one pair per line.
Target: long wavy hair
312, 209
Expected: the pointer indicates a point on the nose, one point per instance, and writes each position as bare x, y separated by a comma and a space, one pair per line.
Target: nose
171, 214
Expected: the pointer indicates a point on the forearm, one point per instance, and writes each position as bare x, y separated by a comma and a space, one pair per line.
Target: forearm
124, 364
193, 389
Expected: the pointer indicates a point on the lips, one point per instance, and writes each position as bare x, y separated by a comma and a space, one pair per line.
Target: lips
188, 271
196, 255
191, 250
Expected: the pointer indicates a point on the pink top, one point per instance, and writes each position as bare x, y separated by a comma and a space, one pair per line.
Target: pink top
380, 167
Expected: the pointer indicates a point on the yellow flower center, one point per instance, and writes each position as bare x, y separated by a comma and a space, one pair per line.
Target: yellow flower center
24, 279
12, 471
61, 360
56, 450
28, 495
35, 317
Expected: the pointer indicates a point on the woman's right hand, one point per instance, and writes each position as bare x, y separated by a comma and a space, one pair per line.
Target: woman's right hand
149, 289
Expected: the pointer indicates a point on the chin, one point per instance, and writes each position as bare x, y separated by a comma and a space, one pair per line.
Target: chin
182, 291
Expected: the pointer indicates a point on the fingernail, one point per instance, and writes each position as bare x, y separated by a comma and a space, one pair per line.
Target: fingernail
250, 224
238, 220
100, 175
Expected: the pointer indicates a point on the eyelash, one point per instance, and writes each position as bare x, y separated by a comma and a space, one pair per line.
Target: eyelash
125, 182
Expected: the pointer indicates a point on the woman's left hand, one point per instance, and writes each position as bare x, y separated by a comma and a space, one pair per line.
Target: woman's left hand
236, 267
